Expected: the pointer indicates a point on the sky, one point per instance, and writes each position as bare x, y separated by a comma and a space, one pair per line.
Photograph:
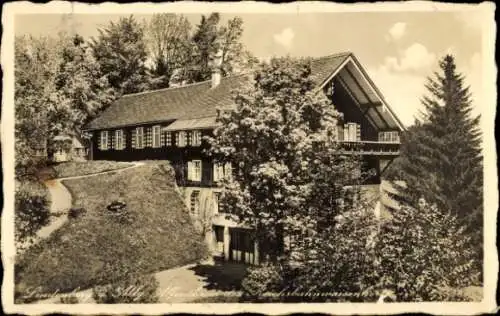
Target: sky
397, 49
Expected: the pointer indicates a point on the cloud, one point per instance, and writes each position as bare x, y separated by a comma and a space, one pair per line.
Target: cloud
401, 90
285, 38
397, 31
416, 57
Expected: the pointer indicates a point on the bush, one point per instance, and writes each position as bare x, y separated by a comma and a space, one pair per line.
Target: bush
32, 210
261, 280
71, 299
425, 255
133, 289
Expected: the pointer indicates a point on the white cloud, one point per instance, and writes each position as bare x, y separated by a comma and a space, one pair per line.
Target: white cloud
285, 38
397, 31
401, 90
415, 57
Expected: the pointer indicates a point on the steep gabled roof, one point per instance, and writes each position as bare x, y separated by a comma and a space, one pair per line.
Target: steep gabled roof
193, 101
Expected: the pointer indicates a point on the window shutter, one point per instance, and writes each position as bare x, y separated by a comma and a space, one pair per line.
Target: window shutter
134, 136
346, 132
358, 132
112, 140
189, 138
98, 138
177, 136
216, 172
190, 171
162, 138
149, 137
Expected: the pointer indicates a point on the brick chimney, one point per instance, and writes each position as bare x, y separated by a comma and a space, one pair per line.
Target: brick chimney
216, 69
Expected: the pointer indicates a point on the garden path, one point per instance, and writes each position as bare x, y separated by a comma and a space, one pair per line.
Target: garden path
61, 200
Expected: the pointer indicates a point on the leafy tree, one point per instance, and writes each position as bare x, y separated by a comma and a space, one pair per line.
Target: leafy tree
209, 38
36, 62
80, 84
441, 156
120, 50
169, 43
204, 47
424, 254
231, 46
290, 182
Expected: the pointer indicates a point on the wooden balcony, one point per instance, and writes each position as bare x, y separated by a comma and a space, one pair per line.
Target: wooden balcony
374, 148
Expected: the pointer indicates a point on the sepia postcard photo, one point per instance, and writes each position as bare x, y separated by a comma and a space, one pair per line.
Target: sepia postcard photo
203, 157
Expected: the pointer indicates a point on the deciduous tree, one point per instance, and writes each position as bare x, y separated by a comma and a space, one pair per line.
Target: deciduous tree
120, 50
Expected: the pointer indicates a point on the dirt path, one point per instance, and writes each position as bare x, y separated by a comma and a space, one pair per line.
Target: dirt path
61, 200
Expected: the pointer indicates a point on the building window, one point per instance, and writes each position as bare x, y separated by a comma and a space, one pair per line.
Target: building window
218, 172
389, 137
104, 140
228, 171
119, 140
194, 170
180, 139
195, 203
139, 137
216, 202
195, 138
156, 136
168, 139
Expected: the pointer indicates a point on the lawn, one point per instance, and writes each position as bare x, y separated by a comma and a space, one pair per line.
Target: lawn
99, 247
80, 168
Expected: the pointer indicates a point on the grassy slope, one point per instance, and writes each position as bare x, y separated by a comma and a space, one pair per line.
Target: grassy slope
97, 249
80, 168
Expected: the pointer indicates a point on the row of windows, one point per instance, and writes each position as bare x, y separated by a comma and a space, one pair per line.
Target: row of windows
390, 137
151, 137
220, 171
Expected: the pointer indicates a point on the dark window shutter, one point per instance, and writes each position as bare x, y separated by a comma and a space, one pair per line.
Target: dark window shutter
133, 134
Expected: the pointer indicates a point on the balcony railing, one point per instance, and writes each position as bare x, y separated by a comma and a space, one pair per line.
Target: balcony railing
365, 147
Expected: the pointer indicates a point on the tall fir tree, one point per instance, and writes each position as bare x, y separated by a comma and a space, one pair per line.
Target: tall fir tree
204, 47
120, 50
441, 157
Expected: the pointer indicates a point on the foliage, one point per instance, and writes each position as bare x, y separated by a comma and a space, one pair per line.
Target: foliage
261, 280
134, 289
58, 88
120, 50
32, 211
96, 249
209, 38
446, 147
36, 63
80, 83
71, 299
205, 47
422, 252
291, 185
169, 44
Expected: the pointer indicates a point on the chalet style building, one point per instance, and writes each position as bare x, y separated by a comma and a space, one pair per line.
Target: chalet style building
169, 124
